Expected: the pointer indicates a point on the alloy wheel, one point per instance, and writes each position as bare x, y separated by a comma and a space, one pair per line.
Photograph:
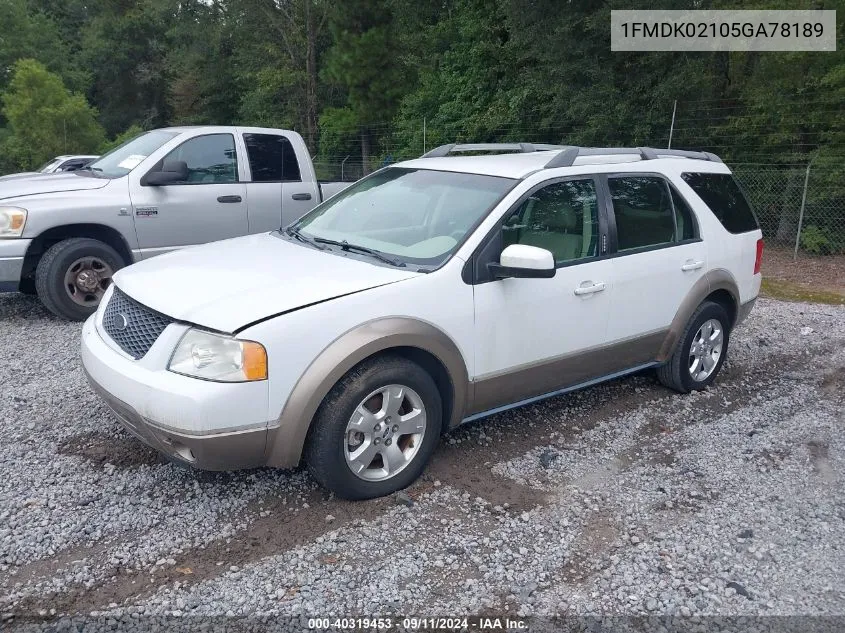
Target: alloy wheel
385, 432
706, 349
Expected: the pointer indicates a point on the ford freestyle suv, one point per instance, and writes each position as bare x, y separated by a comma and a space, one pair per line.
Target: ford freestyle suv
430, 293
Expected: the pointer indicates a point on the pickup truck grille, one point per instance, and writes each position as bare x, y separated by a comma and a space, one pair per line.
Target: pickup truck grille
132, 326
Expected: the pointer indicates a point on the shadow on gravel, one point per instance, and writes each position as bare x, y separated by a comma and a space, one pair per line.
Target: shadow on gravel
123, 450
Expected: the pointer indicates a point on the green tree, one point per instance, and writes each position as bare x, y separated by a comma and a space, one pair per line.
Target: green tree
366, 61
125, 45
32, 34
45, 118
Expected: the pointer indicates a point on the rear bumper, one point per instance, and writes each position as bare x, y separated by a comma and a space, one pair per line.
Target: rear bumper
744, 311
208, 425
12, 252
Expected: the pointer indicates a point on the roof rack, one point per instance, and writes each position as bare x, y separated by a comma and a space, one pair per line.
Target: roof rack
567, 157
522, 148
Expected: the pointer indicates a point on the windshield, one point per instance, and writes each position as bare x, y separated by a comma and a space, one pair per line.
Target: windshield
417, 216
48, 166
124, 158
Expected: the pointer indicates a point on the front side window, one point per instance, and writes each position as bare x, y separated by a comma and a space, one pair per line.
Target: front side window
271, 158
124, 158
416, 215
643, 209
211, 159
725, 199
561, 218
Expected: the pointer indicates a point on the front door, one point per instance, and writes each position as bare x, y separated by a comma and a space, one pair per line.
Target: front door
532, 335
210, 205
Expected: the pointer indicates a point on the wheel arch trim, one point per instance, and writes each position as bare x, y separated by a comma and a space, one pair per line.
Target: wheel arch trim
710, 282
90, 230
287, 439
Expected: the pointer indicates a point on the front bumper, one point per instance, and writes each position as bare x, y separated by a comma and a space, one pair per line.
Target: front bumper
209, 425
12, 252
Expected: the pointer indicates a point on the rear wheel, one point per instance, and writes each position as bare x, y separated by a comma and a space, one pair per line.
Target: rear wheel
376, 429
73, 275
701, 351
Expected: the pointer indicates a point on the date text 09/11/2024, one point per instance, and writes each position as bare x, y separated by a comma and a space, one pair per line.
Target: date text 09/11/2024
418, 623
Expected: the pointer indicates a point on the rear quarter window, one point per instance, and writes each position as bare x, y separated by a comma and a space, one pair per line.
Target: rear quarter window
722, 194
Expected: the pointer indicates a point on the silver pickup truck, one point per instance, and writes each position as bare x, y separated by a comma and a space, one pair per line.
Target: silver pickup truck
64, 235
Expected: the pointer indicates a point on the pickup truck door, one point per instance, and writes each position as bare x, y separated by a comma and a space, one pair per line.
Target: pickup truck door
210, 205
281, 187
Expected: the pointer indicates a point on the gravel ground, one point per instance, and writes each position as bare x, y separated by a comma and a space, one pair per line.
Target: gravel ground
624, 499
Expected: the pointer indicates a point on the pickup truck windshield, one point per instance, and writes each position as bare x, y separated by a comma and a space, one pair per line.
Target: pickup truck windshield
418, 216
124, 158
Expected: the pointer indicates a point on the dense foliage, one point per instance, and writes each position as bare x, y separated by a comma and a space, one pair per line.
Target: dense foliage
369, 80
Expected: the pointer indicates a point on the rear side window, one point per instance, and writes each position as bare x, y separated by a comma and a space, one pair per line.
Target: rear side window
271, 158
683, 218
725, 199
643, 209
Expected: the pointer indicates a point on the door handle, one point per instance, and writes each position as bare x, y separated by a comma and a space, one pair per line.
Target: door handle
301, 196
588, 290
691, 265
228, 199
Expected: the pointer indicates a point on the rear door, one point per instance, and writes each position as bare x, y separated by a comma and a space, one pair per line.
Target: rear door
276, 190
659, 256
210, 205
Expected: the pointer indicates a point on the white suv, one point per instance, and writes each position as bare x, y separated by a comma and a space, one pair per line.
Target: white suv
433, 292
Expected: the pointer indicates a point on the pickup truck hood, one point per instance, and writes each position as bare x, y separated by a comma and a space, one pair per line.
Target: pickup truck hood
27, 185
227, 285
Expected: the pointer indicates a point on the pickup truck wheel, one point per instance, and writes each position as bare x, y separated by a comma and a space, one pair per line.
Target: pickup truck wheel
700, 352
376, 429
73, 275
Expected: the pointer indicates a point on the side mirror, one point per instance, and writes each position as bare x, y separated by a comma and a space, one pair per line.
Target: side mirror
172, 171
524, 262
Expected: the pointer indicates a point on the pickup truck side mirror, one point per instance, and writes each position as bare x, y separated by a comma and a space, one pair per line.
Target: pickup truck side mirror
524, 262
172, 171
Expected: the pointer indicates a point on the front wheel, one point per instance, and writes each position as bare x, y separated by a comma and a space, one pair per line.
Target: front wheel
376, 429
701, 351
73, 275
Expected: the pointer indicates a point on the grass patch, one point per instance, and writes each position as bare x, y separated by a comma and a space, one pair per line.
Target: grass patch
788, 291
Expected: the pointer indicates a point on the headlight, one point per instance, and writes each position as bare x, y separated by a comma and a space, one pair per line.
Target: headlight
12, 220
210, 356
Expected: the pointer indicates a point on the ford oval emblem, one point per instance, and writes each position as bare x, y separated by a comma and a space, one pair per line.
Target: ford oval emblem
120, 322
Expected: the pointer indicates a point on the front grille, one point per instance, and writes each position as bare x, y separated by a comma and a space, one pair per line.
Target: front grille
132, 326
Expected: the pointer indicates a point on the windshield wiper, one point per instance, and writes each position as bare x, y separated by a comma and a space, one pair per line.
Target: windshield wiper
295, 233
346, 246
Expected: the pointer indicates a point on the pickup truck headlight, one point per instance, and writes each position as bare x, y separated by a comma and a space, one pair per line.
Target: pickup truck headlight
209, 356
12, 220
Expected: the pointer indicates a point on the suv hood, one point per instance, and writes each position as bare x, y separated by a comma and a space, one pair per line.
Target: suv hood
27, 185
227, 285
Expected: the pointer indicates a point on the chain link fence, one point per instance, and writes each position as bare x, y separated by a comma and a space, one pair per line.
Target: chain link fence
798, 205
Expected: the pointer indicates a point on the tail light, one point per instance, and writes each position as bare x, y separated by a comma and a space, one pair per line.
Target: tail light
758, 260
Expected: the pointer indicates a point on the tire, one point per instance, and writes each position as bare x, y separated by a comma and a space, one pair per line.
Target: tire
328, 449
676, 373
55, 267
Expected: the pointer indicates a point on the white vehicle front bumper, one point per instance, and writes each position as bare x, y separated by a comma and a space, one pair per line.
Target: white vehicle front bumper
210, 425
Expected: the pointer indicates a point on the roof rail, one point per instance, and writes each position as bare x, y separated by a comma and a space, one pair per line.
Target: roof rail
523, 148
567, 157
